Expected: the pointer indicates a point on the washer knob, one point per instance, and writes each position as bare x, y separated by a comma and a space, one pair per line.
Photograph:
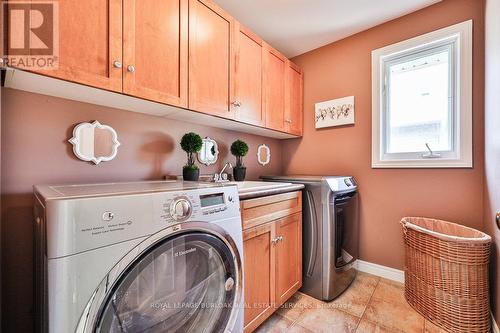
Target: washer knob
180, 209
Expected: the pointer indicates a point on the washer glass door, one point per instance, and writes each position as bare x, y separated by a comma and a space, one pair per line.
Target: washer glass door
183, 284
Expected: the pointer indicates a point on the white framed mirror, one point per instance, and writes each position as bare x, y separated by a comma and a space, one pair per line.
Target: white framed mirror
263, 154
209, 152
93, 142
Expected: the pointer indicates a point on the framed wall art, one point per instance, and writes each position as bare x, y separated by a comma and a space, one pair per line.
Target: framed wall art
336, 112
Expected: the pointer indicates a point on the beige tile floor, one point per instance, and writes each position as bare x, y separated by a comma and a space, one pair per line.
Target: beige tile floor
370, 305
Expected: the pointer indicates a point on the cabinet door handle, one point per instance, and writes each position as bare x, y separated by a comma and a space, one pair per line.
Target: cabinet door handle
277, 240
236, 104
131, 68
288, 121
117, 64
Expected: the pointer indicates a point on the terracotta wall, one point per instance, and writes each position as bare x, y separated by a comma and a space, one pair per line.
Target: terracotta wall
35, 130
343, 69
492, 141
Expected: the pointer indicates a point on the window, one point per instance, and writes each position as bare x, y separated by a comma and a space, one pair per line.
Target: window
422, 101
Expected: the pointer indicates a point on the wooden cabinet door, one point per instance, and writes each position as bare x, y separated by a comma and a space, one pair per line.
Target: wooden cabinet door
294, 99
259, 274
211, 59
156, 45
274, 83
288, 257
90, 42
248, 77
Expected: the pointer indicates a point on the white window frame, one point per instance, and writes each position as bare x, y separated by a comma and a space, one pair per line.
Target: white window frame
458, 37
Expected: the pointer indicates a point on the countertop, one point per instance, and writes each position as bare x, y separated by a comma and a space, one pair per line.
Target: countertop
267, 188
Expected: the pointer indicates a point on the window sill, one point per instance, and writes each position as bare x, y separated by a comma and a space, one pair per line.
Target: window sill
423, 164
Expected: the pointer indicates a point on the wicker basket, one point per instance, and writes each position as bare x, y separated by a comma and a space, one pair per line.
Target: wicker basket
446, 274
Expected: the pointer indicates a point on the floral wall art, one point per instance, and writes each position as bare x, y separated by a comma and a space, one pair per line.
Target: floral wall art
336, 112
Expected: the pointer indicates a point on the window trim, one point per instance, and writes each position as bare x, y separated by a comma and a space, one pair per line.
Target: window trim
461, 34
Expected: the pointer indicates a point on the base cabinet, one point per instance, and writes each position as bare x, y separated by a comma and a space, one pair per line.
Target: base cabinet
288, 257
272, 241
259, 274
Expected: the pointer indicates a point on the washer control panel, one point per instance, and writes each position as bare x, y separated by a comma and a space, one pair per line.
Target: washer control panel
181, 209
200, 205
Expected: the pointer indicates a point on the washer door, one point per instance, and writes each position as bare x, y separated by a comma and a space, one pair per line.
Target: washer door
185, 283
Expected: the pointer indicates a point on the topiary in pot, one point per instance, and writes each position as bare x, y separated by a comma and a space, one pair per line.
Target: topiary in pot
239, 149
191, 143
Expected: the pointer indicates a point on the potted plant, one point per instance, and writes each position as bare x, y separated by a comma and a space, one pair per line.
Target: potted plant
239, 149
191, 143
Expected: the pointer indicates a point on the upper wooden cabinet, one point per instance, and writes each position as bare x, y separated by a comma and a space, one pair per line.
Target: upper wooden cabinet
155, 50
185, 53
211, 59
294, 99
274, 82
90, 43
248, 77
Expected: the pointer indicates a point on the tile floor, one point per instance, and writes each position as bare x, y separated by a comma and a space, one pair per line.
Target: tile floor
370, 305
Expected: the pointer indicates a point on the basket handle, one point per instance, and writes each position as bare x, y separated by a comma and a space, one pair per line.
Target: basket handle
405, 229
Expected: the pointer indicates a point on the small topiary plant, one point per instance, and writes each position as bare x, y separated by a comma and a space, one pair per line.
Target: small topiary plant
239, 149
191, 143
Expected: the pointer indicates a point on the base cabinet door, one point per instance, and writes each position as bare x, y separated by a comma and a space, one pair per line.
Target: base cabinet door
288, 257
259, 274
293, 99
211, 59
90, 45
155, 50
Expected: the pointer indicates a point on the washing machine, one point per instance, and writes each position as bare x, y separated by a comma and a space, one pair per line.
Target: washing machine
139, 257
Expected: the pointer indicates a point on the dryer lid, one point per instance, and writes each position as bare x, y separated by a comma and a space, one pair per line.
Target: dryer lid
336, 184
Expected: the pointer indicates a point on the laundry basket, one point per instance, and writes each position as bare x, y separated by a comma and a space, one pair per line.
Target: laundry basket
446, 274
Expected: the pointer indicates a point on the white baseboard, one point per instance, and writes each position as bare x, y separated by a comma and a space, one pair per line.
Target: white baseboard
382, 271
494, 326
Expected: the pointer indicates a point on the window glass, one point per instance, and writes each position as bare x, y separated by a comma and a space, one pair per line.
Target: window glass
420, 103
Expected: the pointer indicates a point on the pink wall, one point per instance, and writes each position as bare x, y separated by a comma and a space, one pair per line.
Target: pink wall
35, 130
492, 141
343, 69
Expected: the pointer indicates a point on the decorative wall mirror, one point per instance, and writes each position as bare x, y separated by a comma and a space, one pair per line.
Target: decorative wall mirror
263, 154
209, 152
93, 142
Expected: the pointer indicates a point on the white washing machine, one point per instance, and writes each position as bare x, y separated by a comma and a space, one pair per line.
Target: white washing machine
139, 257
